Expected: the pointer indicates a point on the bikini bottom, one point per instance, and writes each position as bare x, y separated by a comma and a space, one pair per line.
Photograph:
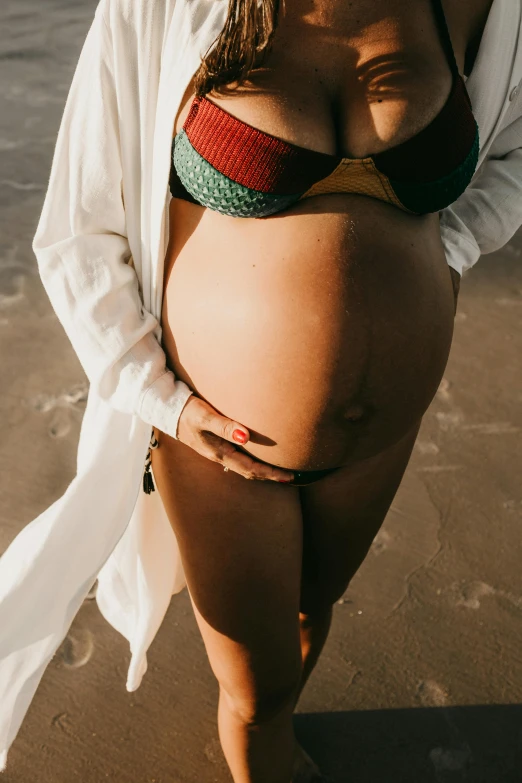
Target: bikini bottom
301, 477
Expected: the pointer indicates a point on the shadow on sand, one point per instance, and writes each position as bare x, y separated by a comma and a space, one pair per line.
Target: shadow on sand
477, 744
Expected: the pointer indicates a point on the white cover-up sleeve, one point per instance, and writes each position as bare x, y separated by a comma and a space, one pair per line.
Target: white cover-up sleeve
82, 249
489, 212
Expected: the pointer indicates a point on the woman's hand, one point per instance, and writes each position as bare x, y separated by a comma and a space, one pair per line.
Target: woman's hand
455, 279
202, 428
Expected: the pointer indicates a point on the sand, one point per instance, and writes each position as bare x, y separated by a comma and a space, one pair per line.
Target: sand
421, 678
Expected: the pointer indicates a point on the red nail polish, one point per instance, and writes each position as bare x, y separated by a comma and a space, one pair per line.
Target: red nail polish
284, 481
239, 436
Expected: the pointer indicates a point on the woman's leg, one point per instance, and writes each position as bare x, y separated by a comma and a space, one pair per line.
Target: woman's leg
241, 547
342, 514
313, 630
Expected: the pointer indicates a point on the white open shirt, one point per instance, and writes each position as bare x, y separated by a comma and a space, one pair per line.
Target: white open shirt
100, 247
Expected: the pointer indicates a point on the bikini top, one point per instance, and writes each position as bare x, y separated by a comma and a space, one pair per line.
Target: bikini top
226, 164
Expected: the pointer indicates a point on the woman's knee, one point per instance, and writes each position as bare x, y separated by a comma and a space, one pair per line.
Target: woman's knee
258, 706
258, 682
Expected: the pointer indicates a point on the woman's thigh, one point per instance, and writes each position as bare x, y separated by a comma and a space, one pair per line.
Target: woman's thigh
342, 514
241, 547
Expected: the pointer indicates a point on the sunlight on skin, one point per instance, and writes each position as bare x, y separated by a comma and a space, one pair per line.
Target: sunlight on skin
383, 71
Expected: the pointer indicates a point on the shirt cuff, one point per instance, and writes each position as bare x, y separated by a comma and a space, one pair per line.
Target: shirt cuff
461, 253
162, 403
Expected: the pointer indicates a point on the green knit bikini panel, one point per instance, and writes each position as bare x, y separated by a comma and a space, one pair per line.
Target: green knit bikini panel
215, 190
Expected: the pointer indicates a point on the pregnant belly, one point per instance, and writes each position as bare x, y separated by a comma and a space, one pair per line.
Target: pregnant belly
324, 329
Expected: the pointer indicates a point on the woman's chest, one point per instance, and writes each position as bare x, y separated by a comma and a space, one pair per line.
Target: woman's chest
348, 79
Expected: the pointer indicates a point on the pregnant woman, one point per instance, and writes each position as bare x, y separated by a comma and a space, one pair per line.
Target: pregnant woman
307, 298
254, 232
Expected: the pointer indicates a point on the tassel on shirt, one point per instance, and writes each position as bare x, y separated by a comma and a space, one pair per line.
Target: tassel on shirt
148, 481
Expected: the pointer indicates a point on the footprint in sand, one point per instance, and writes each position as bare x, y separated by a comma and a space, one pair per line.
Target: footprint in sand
77, 648
43, 403
426, 447
61, 405
381, 542
443, 390
450, 759
431, 694
448, 421
15, 291
62, 722
470, 595
214, 754
512, 250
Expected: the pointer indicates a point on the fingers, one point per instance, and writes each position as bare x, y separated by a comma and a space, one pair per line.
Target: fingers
227, 455
249, 467
213, 436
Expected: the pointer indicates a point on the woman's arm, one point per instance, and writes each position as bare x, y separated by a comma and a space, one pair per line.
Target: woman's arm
489, 212
82, 249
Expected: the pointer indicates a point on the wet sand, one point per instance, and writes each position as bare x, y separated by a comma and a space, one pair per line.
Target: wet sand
421, 678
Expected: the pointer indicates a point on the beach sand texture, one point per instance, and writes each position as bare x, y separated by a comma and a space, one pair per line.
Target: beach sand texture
421, 678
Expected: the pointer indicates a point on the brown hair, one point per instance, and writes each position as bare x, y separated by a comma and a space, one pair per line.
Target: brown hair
242, 44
